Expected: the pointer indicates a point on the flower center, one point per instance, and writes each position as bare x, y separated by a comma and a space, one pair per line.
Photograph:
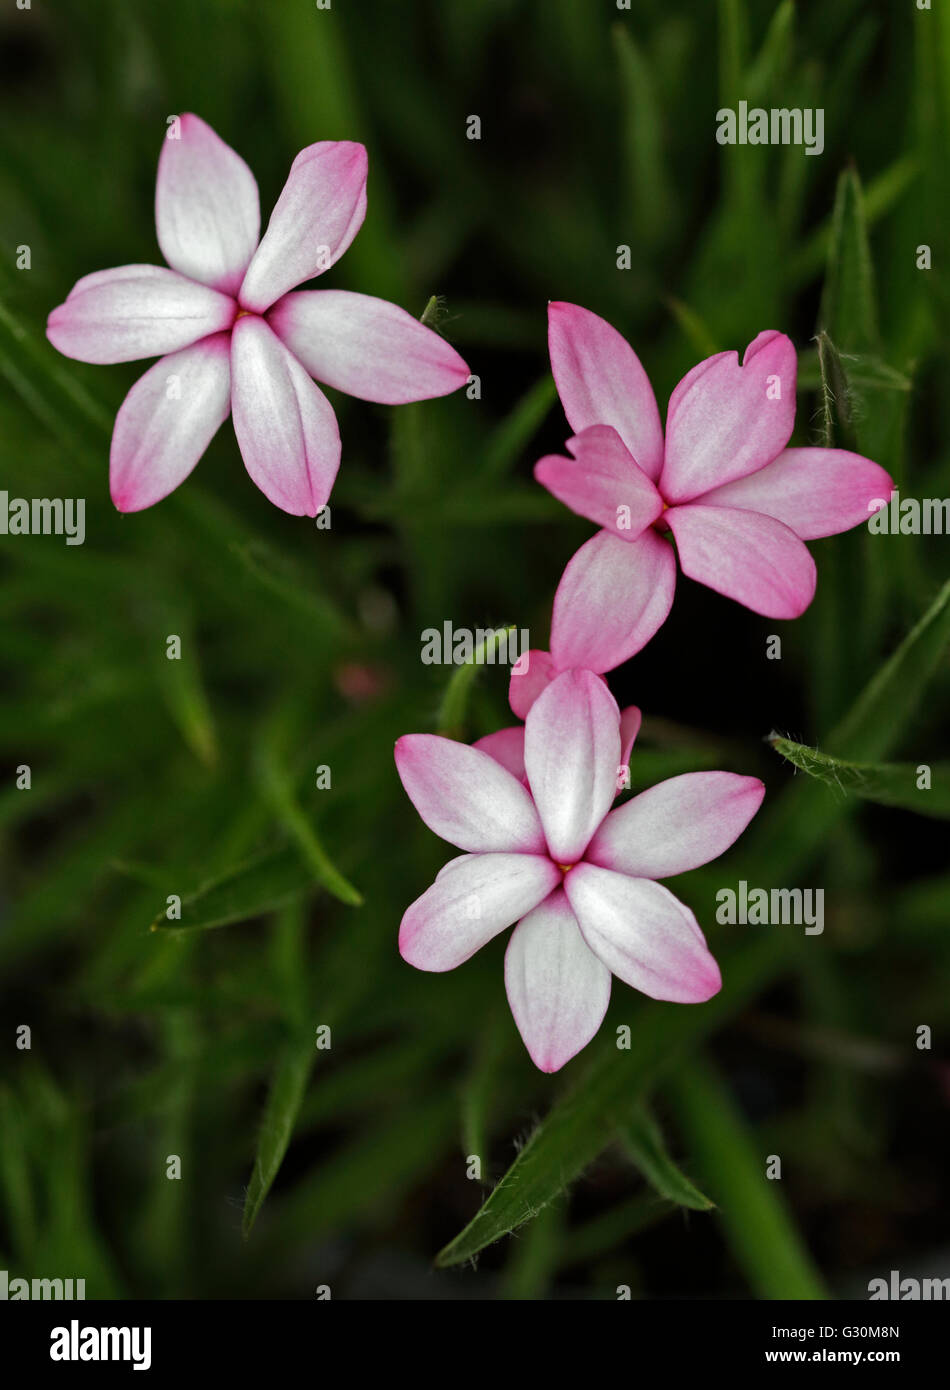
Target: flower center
660, 524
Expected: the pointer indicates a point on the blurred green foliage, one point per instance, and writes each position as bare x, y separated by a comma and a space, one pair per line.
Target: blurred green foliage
198, 779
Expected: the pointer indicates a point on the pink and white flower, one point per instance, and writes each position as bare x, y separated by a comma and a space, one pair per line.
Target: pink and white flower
230, 337
579, 879
737, 501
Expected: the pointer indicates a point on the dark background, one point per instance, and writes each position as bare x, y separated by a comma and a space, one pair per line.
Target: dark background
301, 647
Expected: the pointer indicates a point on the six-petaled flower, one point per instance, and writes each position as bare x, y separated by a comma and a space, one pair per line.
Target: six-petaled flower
720, 480
232, 339
579, 878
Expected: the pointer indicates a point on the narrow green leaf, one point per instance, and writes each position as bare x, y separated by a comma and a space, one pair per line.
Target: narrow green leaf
533, 1260
791, 831
733, 44
892, 784
162, 1223
772, 58
642, 1138
584, 1121
289, 1082
648, 199
694, 327
451, 716
279, 792
837, 412
884, 709
187, 700
477, 1090
260, 885
286, 1094
754, 1214
849, 305
867, 373
513, 433
882, 194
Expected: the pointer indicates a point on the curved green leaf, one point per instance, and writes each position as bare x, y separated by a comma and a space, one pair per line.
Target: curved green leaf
849, 304
451, 717
643, 1140
251, 889
892, 784
581, 1124
277, 1126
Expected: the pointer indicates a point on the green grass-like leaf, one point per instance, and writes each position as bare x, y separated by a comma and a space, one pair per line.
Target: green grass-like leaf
884, 709
454, 704
754, 1214
581, 1125
251, 889
284, 1099
892, 784
643, 1140
849, 304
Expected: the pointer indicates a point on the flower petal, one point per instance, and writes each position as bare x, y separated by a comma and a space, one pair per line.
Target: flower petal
613, 596
557, 988
450, 864
692, 376
676, 825
571, 754
472, 900
285, 426
643, 934
752, 558
135, 311
207, 210
630, 721
815, 492
601, 382
727, 420
602, 482
317, 215
506, 746
167, 421
467, 797
532, 672
366, 347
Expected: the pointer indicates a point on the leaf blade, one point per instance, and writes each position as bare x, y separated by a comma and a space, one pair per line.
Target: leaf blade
890, 784
285, 1097
643, 1141
756, 1219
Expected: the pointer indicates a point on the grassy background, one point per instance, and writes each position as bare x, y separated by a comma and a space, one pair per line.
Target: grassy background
301, 648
